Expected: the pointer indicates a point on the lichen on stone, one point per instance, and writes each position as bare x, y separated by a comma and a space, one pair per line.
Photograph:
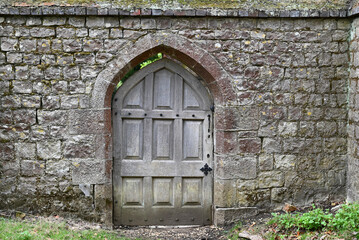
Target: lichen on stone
194, 4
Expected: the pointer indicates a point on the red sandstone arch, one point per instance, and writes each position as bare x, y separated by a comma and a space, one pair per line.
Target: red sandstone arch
197, 59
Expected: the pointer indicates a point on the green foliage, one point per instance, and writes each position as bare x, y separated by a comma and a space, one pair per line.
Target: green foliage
151, 60
314, 220
347, 218
343, 224
284, 221
24, 230
138, 67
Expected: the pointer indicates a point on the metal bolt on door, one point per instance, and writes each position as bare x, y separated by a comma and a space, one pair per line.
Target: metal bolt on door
162, 143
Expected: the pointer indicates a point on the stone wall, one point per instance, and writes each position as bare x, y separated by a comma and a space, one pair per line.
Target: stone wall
192, 4
280, 92
353, 129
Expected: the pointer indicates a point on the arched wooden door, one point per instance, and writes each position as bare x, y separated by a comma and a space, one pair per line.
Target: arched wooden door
163, 140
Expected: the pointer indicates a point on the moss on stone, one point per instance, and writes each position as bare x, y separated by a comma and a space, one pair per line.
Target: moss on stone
197, 4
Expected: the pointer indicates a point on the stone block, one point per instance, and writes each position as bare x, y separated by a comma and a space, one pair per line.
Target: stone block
236, 167
148, 23
225, 193
249, 145
27, 186
6, 116
62, 32
25, 150
54, 21
9, 44
53, 72
327, 129
226, 142
89, 172
80, 146
227, 216
9, 168
114, 45
103, 58
103, 202
90, 72
77, 87
287, 128
270, 179
59, 169
42, 32
271, 145
14, 57
88, 121
51, 102
72, 45
22, 87
6, 72
92, 45
279, 194
285, 161
99, 33
30, 168
25, 116
49, 150
266, 162
69, 102
95, 21
84, 58
7, 151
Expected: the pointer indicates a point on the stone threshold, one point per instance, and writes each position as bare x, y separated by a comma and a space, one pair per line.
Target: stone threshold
100, 11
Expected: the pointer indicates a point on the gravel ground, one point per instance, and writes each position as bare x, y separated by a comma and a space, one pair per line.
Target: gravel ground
202, 232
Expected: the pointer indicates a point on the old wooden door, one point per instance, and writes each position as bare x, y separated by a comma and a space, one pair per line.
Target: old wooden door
162, 143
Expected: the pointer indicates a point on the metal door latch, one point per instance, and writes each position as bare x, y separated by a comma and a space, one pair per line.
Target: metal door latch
205, 169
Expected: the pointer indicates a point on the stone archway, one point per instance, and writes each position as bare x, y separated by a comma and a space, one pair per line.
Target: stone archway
216, 79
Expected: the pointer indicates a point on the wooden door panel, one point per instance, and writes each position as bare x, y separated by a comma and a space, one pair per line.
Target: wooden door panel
162, 139
132, 192
135, 98
192, 192
162, 126
190, 98
162, 192
132, 138
163, 90
192, 140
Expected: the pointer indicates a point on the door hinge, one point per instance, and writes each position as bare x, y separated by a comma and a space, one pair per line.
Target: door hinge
212, 108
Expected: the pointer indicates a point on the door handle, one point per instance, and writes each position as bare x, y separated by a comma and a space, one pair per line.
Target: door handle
206, 169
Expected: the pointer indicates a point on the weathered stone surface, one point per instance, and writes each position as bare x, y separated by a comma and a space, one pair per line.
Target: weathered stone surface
227, 216
266, 162
279, 86
25, 150
285, 161
80, 146
49, 150
31, 168
234, 168
89, 172
270, 179
60, 169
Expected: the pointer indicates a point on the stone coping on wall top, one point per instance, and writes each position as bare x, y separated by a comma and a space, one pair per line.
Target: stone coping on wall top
94, 11
354, 11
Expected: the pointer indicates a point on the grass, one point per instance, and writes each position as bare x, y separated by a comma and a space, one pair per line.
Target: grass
28, 230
